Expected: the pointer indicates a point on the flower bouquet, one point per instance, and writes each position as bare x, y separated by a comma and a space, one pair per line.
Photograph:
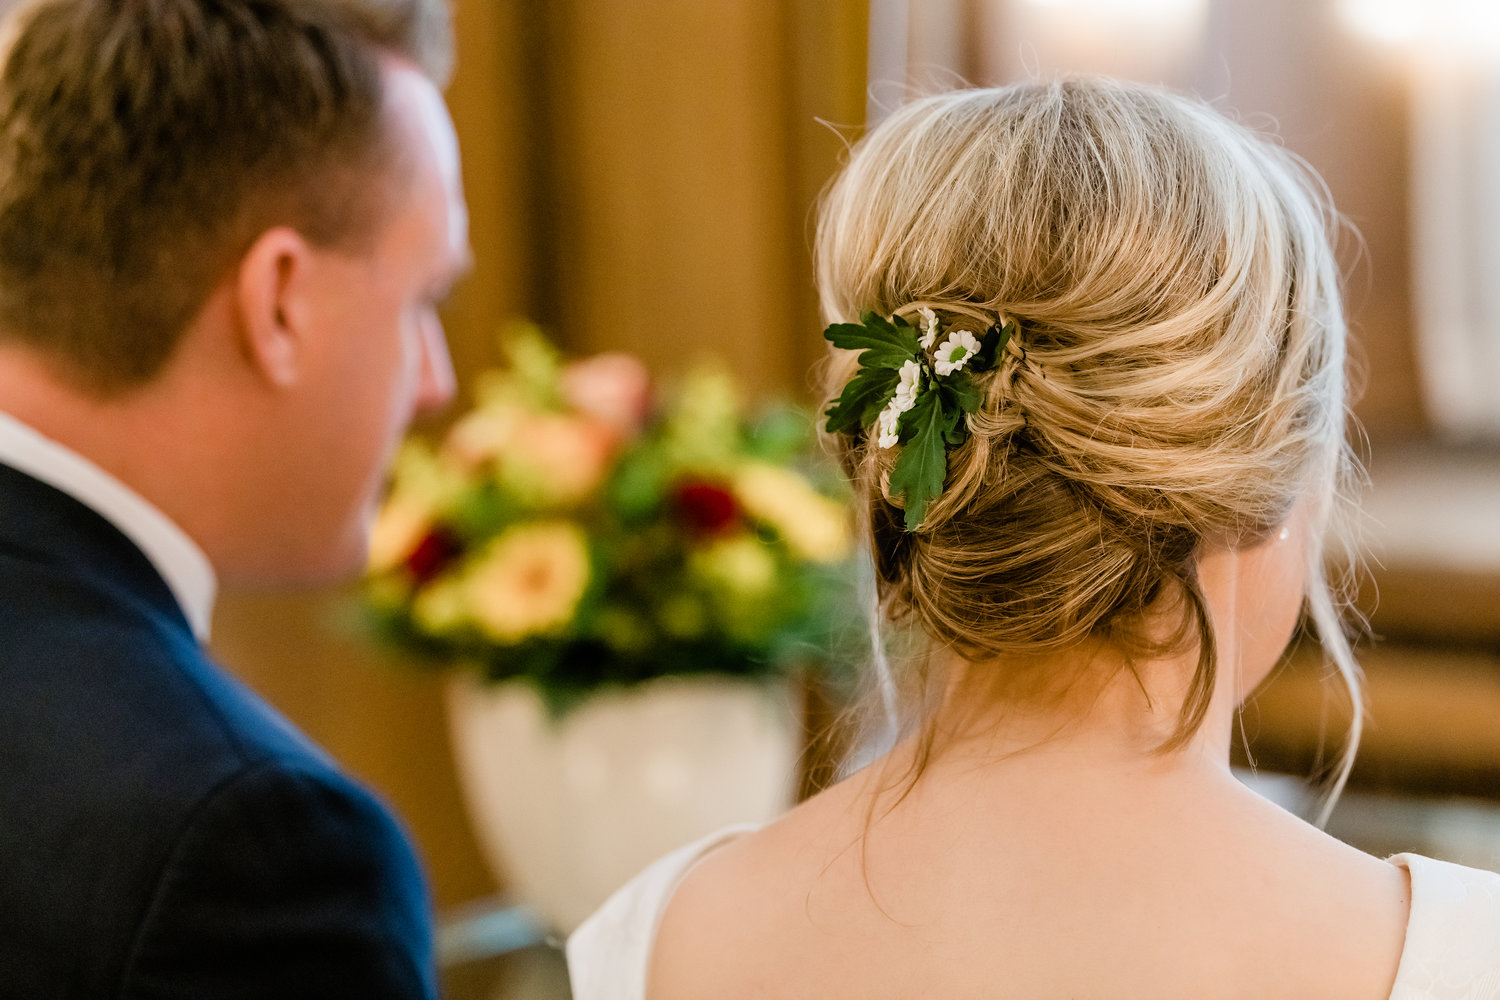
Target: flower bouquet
579, 529
625, 558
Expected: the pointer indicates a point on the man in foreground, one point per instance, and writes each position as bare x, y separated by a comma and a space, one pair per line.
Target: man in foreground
224, 229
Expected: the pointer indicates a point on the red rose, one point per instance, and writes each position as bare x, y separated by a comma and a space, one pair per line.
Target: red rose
707, 508
433, 553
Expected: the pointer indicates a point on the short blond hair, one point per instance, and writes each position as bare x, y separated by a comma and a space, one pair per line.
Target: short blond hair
145, 144
1182, 383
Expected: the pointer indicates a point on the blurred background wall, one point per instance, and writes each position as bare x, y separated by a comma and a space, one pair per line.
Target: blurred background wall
641, 175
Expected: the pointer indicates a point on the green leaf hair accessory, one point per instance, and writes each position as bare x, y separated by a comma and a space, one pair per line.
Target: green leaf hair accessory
914, 390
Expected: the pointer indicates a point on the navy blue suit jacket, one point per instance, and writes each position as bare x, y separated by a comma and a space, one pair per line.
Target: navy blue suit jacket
163, 832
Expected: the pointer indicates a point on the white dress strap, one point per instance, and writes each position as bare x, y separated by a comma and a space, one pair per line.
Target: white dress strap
609, 954
1452, 949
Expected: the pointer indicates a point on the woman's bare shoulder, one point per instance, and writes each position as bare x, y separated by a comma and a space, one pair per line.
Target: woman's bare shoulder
750, 898
791, 906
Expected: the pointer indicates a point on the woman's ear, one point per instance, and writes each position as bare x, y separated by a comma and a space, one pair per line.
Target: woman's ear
271, 298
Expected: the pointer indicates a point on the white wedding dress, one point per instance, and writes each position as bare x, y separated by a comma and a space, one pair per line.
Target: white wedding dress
1452, 947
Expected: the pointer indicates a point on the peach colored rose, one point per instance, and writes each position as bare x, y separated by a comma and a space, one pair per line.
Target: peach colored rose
613, 388
529, 582
556, 459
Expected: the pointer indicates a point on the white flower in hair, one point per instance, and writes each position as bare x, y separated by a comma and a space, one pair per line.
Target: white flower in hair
955, 352
907, 391
908, 388
889, 435
929, 328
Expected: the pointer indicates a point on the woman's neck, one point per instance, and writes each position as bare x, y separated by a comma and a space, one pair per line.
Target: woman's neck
1096, 707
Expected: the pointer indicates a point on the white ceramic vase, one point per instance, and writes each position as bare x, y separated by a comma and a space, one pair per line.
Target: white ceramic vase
568, 810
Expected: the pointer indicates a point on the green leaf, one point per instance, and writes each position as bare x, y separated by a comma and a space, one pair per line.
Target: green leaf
959, 392
862, 399
918, 475
883, 344
990, 346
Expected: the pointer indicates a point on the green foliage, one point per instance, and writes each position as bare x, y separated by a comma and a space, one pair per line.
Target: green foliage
935, 421
884, 343
927, 429
863, 398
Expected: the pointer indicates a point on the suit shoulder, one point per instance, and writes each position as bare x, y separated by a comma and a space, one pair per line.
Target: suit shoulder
289, 880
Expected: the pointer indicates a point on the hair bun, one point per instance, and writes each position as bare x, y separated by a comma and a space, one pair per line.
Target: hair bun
1177, 379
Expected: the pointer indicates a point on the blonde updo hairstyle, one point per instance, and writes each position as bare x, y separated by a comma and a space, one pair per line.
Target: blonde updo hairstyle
1176, 383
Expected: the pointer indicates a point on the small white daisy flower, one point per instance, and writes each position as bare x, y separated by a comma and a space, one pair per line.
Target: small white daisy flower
956, 351
909, 387
929, 328
889, 435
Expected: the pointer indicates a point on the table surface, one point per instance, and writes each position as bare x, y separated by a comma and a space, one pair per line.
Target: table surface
496, 950
534, 973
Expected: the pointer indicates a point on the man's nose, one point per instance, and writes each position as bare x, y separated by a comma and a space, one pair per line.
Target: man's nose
436, 384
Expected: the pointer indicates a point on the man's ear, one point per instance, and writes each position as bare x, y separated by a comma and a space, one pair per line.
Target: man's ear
270, 295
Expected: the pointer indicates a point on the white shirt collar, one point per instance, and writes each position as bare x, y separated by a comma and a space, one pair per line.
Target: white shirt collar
176, 557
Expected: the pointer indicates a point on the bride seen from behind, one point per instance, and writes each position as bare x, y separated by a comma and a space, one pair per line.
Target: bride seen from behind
1125, 310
